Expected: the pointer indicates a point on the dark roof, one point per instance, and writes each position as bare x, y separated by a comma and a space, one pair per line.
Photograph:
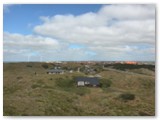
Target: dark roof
91, 80
54, 70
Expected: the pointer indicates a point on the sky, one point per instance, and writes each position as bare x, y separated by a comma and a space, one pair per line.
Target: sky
79, 32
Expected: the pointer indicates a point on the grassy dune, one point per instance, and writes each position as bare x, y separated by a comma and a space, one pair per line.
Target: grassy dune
57, 95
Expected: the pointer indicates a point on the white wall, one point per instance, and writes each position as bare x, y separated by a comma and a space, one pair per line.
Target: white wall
80, 83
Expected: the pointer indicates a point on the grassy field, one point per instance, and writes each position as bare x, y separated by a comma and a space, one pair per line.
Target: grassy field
28, 94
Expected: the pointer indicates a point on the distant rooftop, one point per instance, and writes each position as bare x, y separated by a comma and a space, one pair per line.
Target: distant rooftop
55, 70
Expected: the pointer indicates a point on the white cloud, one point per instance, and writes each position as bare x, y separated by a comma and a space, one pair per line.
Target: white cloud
27, 44
28, 40
17, 47
133, 23
129, 12
115, 32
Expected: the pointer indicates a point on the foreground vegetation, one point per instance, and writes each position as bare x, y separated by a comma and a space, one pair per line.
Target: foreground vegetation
26, 93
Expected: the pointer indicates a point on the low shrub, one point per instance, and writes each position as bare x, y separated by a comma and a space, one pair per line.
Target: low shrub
28, 65
45, 66
35, 86
105, 83
19, 77
127, 96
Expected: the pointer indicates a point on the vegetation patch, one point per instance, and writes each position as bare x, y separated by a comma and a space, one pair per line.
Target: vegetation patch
58, 95
28, 65
11, 89
37, 84
147, 83
130, 66
127, 96
65, 83
105, 83
10, 111
142, 113
19, 77
45, 66
81, 91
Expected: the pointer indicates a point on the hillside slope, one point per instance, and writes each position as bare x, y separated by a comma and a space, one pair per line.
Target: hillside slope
26, 93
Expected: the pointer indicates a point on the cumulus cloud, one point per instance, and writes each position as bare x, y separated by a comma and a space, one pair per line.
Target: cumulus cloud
115, 32
133, 23
18, 44
28, 40
18, 47
129, 12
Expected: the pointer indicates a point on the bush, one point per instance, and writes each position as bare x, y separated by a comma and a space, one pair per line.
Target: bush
35, 86
127, 96
28, 65
45, 66
105, 83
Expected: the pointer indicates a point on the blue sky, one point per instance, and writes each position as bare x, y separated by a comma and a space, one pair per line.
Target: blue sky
78, 32
21, 18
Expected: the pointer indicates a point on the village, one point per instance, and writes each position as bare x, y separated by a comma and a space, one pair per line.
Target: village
90, 69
